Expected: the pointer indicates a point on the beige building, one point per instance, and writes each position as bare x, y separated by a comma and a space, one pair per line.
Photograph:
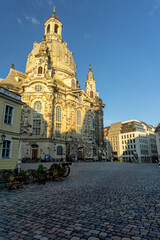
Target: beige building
59, 119
157, 131
131, 141
10, 112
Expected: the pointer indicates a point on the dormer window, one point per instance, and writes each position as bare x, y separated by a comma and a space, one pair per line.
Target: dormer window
48, 28
56, 28
40, 70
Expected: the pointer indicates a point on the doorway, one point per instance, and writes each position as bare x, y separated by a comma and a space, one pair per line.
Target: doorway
34, 153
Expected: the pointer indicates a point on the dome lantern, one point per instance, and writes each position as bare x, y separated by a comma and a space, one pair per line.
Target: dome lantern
53, 27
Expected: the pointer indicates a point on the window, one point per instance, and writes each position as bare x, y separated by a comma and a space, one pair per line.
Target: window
56, 28
79, 123
48, 28
59, 150
36, 126
91, 94
94, 152
122, 136
58, 114
37, 109
38, 88
8, 116
6, 149
73, 83
40, 70
91, 122
58, 129
58, 122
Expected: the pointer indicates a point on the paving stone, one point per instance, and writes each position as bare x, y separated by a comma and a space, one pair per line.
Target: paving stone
96, 201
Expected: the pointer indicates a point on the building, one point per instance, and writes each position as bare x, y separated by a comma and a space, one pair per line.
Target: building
157, 131
109, 156
132, 141
59, 119
10, 112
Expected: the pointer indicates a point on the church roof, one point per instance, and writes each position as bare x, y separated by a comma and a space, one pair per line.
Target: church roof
54, 15
11, 81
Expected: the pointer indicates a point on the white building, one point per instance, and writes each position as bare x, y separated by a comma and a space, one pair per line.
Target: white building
132, 141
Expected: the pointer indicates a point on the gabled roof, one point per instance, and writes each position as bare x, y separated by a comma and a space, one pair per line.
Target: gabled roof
11, 81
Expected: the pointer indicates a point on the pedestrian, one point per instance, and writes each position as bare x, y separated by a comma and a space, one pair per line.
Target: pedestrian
76, 158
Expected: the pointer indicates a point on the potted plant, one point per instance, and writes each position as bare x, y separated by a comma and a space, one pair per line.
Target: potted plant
40, 172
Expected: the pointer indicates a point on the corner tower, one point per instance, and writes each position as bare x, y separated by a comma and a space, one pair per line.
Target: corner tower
91, 84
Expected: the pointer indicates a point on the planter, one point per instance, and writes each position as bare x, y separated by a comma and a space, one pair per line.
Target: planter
41, 179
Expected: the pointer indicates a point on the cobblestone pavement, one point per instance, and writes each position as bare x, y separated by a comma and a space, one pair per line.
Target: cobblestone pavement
97, 201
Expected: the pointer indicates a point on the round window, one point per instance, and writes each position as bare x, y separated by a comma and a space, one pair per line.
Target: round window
38, 88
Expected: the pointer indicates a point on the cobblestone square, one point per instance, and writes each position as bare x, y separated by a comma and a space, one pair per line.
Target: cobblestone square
97, 201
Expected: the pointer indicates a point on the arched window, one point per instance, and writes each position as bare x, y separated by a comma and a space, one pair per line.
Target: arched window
58, 121
94, 152
73, 83
58, 114
40, 70
59, 150
56, 28
37, 114
79, 129
91, 122
91, 94
37, 109
48, 28
6, 149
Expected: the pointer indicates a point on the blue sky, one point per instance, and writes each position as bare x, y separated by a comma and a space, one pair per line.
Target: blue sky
119, 38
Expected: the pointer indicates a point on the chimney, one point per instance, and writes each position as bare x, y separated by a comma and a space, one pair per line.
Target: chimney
12, 65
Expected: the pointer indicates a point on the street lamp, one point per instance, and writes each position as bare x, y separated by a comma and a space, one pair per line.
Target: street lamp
3, 137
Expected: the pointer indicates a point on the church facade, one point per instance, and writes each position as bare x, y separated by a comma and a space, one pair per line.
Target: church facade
59, 119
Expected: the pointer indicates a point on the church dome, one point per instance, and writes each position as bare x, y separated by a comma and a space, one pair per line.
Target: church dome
52, 50
60, 57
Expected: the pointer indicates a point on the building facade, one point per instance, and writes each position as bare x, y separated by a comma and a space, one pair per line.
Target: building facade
132, 141
157, 131
59, 119
10, 112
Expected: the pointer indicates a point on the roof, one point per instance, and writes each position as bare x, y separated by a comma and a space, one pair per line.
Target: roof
158, 127
54, 16
11, 81
106, 131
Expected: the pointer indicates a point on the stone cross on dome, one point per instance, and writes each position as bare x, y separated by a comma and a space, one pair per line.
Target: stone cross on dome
54, 10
